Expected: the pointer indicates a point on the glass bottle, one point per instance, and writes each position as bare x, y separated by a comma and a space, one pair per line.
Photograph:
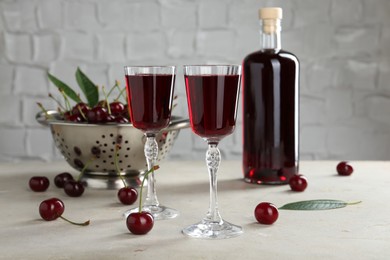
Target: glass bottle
270, 107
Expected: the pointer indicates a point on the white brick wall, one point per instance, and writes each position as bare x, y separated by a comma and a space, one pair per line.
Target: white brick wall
343, 46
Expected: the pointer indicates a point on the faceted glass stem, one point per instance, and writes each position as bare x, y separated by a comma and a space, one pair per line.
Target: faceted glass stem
213, 226
213, 159
151, 153
151, 203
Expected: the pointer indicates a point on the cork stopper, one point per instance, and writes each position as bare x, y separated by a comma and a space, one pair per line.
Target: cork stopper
270, 13
270, 18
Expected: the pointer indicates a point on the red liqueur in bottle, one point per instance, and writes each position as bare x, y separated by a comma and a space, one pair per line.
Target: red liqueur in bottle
270, 107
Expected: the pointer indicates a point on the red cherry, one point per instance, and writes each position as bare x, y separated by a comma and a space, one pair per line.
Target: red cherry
126, 112
80, 106
51, 209
344, 169
74, 188
39, 183
117, 108
127, 195
61, 178
298, 182
140, 223
74, 118
266, 213
97, 115
121, 120
110, 118
102, 103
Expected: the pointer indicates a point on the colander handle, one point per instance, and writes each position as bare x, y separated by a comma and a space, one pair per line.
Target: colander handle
43, 119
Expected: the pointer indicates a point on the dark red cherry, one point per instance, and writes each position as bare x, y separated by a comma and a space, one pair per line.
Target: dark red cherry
344, 168
97, 115
80, 107
126, 112
51, 209
127, 195
110, 118
266, 213
102, 103
298, 182
66, 115
140, 223
74, 188
75, 118
121, 119
117, 108
61, 178
39, 183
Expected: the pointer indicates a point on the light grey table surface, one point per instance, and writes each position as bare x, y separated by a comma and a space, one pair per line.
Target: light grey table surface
360, 231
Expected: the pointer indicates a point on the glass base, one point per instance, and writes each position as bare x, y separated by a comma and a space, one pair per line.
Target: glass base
212, 230
158, 212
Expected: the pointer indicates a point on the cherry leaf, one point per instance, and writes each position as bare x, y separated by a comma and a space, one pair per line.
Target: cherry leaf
321, 204
64, 87
89, 88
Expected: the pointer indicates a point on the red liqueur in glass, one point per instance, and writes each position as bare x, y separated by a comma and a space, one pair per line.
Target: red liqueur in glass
150, 97
217, 96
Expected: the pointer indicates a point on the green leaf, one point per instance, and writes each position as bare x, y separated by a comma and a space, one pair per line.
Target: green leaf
316, 205
65, 88
89, 89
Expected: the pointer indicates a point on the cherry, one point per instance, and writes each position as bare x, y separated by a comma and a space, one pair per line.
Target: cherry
74, 118
117, 108
140, 223
74, 188
51, 209
344, 168
67, 114
61, 178
298, 182
110, 118
39, 183
80, 107
121, 119
102, 103
126, 112
127, 195
266, 213
97, 115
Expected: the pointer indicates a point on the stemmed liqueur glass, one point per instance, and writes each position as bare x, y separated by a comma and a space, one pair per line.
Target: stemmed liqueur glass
212, 97
150, 94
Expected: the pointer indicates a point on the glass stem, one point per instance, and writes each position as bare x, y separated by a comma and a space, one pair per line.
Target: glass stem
151, 153
213, 159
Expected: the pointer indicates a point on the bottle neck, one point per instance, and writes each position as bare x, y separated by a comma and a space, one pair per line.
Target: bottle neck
270, 34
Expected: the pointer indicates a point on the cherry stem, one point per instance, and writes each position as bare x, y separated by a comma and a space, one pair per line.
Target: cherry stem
67, 103
106, 99
84, 168
47, 116
86, 223
58, 102
121, 93
117, 166
112, 88
81, 113
142, 185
